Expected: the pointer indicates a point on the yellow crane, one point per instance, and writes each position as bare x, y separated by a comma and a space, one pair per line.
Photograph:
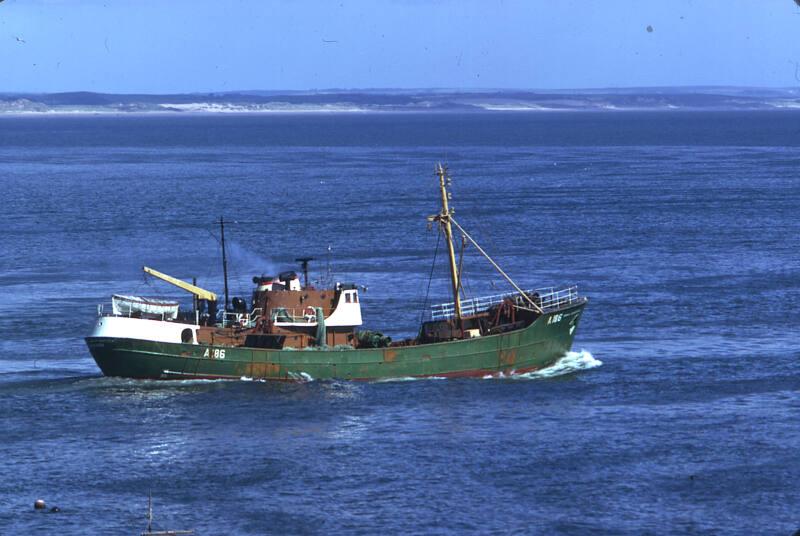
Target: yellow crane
202, 294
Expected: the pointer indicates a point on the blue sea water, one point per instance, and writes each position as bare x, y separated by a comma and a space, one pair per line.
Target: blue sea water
682, 228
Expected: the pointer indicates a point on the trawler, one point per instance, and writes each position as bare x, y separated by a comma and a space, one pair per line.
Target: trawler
293, 331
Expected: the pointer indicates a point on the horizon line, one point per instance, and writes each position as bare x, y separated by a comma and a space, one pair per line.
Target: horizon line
416, 89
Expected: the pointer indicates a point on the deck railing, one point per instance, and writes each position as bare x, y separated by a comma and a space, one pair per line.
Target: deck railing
247, 320
129, 313
229, 318
548, 298
290, 315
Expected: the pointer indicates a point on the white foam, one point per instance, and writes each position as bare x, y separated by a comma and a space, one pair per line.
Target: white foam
569, 364
303, 377
249, 379
409, 379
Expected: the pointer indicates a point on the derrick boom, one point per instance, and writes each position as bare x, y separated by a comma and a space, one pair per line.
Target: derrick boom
201, 293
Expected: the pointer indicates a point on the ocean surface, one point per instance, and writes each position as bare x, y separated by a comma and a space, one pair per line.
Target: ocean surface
678, 411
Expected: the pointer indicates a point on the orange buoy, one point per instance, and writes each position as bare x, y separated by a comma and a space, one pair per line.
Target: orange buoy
39, 504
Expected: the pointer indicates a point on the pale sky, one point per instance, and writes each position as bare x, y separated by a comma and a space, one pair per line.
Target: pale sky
150, 46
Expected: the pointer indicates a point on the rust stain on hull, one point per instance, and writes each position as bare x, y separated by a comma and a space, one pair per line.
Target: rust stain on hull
263, 370
508, 358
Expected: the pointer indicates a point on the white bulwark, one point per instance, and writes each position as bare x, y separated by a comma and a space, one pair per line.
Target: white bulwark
123, 327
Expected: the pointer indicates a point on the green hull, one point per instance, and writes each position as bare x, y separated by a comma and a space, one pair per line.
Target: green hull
535, 347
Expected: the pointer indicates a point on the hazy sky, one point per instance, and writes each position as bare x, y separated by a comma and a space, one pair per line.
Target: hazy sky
186, 46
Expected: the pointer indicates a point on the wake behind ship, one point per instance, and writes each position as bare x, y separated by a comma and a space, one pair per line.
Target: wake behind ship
294, 331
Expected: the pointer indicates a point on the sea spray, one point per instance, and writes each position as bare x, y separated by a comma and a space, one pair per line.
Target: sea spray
569, 364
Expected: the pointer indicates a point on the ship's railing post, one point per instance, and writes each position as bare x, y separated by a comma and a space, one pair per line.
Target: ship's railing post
254, 316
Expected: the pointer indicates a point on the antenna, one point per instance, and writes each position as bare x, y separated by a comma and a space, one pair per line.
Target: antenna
328, 269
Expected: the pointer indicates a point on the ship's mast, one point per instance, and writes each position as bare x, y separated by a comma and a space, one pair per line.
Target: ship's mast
444, 221
224, 259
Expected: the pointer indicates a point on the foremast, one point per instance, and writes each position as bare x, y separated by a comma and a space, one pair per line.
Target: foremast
444, 218
446, 221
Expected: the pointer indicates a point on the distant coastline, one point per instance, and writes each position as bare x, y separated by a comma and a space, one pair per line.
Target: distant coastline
399, 101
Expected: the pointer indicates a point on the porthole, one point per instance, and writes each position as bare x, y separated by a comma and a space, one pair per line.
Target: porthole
186, 336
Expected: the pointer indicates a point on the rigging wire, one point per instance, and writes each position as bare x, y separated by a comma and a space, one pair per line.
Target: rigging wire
466, 288
210, 267
430, 278
144, 282
486, 237
461, 268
